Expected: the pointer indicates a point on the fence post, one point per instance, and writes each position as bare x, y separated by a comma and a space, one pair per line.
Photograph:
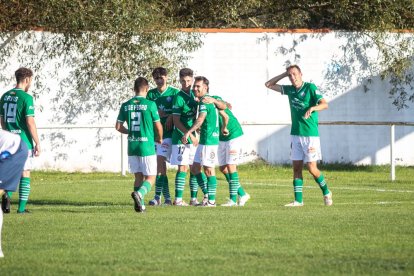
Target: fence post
392, 158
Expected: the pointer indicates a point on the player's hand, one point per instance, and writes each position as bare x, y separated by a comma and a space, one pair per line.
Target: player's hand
184, 139
158, 140
169, 124
225, 131
162, 113
308, 113
194, 140
36, 150
208, 100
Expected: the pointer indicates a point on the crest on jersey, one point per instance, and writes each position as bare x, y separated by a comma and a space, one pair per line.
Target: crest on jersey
169, 99
135, 101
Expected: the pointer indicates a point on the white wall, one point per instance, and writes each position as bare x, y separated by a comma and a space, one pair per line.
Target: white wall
237, 65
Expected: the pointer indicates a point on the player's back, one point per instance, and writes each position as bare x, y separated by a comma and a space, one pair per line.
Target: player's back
15, 106
140, 115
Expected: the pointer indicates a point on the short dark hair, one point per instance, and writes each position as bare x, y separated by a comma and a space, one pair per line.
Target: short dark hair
186, 72
140, 82
294, 66
203, 79
23, 73
159, 71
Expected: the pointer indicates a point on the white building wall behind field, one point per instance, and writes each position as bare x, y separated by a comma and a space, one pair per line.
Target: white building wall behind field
237, 65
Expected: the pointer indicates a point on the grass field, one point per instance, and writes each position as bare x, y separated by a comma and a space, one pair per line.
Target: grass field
85, 224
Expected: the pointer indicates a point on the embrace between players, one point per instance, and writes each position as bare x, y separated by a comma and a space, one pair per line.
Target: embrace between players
194, 130
163, 126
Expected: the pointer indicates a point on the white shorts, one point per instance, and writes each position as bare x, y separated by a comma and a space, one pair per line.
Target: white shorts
230, 152
164, 149
206, 155
183, 154
305, 148
147, 165
29, 162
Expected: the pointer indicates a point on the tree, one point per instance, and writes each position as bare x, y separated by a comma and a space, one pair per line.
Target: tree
372, 21
105, 44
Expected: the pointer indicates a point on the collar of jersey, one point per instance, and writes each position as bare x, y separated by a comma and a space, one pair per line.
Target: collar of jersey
303, 84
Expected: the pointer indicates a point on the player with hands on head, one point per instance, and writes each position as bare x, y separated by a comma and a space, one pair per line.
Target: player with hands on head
305, 102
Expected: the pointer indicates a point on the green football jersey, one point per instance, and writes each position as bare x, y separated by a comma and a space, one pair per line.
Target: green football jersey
164, 102
300, 101
15, 106
209, 130
186, 106
140, 115
233, 126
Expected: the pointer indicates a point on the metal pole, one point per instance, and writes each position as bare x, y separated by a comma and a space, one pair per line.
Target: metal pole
122, 156
392, 161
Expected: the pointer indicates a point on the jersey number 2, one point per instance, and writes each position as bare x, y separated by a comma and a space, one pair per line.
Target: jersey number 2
135, 121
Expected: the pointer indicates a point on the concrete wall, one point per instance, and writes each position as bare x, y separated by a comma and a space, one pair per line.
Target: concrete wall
237, 65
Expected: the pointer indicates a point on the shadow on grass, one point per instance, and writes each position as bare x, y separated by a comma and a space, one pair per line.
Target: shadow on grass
74, 203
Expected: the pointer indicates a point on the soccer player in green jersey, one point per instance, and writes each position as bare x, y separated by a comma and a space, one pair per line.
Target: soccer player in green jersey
206, 153
163, 95
184, 113
229, 154
305, 101
17, 116
143, 122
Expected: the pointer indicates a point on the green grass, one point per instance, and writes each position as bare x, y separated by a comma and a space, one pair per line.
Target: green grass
85, 224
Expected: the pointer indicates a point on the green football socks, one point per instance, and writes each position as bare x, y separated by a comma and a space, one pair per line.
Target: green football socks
234, 186
297, 189
158, 186
179, 184
322, 184
144, 189
193, 186
165, 187
211, 187
24, 191
202, 182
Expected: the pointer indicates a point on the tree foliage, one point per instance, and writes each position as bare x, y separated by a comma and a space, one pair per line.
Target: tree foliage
107, 43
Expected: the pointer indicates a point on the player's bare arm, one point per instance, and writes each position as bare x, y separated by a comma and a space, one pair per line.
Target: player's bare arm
119, 126
31, 125
158, 132
225, 118
197, 125
272, 83
169, 124
322, 105
219, 104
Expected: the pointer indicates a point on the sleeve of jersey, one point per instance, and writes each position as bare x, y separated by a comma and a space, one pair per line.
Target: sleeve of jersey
202, 108
121, 117
315, 93
154, 112
29, 107
285, 89
177, 106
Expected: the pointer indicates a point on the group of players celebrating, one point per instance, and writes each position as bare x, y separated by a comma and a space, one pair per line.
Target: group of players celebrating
188, 128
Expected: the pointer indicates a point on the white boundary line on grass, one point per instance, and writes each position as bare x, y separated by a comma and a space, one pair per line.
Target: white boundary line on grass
333, 188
